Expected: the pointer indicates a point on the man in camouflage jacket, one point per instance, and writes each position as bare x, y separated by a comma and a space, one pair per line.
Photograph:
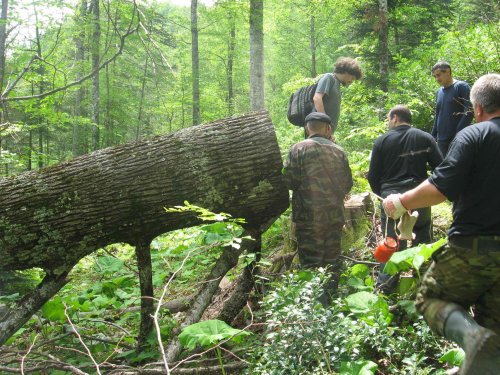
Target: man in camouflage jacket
318, 173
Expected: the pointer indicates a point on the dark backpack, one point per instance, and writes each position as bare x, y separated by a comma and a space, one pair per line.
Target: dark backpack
301, 104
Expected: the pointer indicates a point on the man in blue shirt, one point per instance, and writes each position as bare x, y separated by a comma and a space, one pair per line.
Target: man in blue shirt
453, 107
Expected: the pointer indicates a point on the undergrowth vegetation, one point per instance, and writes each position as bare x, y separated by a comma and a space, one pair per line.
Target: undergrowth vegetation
288, 332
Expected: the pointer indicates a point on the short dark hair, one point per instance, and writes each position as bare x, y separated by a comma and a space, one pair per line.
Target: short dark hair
348, 65
402, 111
441, 65
317, 126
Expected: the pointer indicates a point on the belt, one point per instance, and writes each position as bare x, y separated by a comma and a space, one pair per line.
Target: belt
479, 243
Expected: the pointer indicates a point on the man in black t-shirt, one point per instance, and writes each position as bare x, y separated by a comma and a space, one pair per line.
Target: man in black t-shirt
467, 272
398, 163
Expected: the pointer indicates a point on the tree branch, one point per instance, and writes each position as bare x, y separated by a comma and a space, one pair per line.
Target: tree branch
129, 32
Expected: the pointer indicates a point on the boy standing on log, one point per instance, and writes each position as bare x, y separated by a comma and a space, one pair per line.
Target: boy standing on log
318, 173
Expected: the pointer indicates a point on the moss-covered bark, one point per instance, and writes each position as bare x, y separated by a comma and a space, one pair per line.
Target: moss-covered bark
53, 217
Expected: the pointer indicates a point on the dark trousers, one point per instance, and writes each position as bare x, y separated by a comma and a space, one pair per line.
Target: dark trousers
319, 245
422, 230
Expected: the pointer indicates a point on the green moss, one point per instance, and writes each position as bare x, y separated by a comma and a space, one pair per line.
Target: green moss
212, 198
263, 187
354, 237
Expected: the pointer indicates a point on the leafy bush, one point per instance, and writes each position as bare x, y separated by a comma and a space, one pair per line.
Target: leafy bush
355, 335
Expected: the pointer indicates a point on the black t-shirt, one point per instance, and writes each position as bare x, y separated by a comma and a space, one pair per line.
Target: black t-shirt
470, 177
402, 153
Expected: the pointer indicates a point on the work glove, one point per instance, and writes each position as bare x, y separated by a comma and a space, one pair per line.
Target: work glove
406, 224
393, 206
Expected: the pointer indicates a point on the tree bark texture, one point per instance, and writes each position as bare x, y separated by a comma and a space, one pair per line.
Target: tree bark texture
53, 217
383, 45
143, 255
3, 39
312, 46
195, 61
256, 55
95, 51
244, 285
15, 318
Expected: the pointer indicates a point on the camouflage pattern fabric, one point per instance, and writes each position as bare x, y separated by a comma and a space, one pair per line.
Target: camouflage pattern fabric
318, 172
468, 277
318, 244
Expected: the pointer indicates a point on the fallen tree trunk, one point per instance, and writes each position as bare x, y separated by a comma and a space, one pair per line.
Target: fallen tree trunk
53, 217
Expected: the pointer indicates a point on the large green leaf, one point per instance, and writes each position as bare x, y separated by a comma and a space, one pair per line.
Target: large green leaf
409, 308
360, 270
412, 258
362, 302
361, 367
54, 310
208, 333
454, 357
108, 264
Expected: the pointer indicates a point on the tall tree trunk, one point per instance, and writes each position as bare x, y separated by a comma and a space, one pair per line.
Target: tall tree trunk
141, 100
383, 45
195, 62
312, 44
230, 63
41, 89
53, 217
78, 133
256, 55
29, 165
96, 38
3, 39
108, 123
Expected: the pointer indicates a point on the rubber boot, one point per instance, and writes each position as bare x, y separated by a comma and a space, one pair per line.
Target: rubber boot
386, 283
481, 345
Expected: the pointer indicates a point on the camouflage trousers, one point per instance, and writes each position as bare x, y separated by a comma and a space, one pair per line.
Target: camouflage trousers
467, 277
318, 243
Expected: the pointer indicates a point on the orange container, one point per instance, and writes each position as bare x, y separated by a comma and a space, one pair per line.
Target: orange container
385, 249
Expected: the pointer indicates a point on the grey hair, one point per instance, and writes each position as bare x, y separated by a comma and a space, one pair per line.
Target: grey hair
486, 92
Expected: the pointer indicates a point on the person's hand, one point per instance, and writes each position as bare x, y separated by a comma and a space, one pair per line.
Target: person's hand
406, 225
393, 206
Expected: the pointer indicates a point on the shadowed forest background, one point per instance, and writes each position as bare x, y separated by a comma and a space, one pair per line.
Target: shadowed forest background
77, 77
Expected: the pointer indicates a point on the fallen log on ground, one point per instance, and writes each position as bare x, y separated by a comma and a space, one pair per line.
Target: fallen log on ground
53, 217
